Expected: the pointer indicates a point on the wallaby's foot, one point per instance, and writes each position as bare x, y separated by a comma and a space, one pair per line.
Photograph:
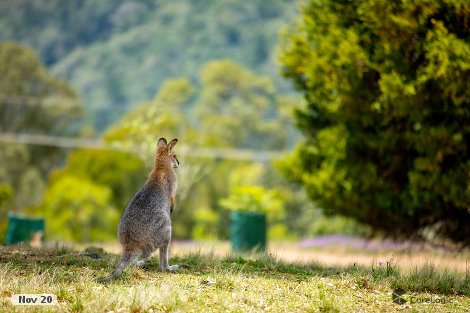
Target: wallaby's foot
127, 258
140, 263
172, 268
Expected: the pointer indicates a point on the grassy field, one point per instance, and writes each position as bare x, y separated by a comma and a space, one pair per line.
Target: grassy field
213, 283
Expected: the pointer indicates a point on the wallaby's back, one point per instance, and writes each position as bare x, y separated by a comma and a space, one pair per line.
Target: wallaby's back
146, 218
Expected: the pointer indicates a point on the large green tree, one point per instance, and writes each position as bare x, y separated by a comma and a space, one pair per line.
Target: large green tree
387, 114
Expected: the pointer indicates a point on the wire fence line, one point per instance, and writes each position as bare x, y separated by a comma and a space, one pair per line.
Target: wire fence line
97, 144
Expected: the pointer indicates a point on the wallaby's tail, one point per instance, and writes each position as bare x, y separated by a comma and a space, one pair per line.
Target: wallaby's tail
126, 259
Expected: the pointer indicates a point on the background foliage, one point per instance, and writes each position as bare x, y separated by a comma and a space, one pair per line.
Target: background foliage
118, 52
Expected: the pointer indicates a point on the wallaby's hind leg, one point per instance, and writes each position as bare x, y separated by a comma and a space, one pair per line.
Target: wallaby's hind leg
127, 258
143, 257
164, 260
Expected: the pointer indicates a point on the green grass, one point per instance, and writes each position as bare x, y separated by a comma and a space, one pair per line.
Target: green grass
234, 283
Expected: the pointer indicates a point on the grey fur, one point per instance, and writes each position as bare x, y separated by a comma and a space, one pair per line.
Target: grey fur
145, 224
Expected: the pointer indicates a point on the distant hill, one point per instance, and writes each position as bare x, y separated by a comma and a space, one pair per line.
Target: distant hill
116, 53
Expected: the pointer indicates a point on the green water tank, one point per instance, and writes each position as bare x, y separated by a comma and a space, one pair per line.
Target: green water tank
22, 228
248, 231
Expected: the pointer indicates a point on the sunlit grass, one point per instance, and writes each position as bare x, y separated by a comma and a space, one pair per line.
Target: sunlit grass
210, 283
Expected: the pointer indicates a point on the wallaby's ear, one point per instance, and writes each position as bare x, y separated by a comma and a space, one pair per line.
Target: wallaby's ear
161, 143
172, 144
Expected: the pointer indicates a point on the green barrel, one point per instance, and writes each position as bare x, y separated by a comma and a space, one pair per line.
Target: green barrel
21, 228
248, 231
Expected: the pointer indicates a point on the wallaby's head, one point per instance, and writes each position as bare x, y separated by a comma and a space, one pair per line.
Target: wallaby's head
165, 154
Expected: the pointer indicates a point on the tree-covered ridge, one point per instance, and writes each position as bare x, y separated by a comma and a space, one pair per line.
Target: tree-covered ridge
55, 28
116, 53
387, 122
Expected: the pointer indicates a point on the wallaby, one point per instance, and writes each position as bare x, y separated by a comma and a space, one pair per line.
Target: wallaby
145, 224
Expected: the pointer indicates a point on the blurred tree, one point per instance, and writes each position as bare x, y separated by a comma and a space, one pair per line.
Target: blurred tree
77, 209
85, 198
34, 102
122, 172
387, 115
31, 100
238, 108
162, 116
